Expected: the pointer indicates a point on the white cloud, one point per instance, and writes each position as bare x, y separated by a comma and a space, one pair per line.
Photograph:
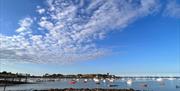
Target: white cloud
172, 9
72, 27
46, 24
24, 24
41, 11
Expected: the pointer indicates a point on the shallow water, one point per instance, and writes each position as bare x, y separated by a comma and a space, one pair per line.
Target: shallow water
152, 85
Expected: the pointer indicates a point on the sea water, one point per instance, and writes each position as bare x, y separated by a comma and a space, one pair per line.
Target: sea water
151, 85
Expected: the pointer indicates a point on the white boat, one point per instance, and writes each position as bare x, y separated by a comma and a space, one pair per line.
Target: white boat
129, 82
159, 80
104, 81
85, 80
77, 80
96, 81
111, 80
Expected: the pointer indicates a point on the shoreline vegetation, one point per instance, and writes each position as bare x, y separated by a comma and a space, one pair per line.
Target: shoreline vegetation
20, 75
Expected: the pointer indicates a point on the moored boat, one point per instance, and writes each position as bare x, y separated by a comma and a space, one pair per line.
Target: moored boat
129, 82
72, 82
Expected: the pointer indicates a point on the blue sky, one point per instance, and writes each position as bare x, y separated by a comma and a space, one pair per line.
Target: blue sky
119, 37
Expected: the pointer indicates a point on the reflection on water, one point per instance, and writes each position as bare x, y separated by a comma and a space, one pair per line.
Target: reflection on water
140, 84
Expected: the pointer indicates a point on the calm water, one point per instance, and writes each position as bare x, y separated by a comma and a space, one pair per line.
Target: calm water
153, 85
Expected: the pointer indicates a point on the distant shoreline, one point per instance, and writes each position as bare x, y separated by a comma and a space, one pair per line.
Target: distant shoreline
5, 74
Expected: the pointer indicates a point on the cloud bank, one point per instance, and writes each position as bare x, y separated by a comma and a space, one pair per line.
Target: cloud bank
68, 30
